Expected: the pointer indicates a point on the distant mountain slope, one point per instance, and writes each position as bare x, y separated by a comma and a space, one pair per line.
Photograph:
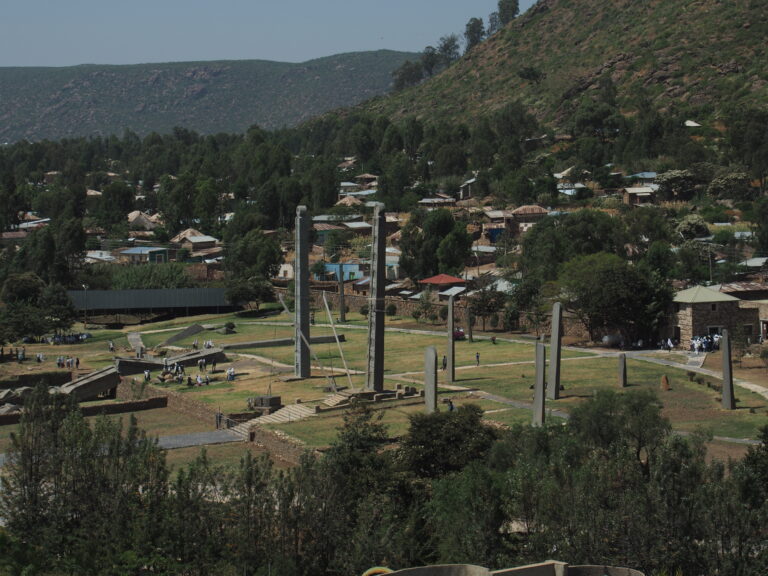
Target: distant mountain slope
700, 53
208, 97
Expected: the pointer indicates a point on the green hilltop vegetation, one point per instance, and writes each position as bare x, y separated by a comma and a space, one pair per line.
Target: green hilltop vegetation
700, 56
211, 97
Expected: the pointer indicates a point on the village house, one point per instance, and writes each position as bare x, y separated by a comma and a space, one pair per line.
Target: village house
465, 190
183, 235
525, 217
638, 196
13, 238
358, 228
366, 181
349, 202
643, 178
323, 229
444, 284
143, 255
702, 311
437, 201
495, 222
197, 243
138, 220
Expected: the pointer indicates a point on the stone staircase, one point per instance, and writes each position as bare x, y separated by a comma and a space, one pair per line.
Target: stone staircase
336, 399
289, 413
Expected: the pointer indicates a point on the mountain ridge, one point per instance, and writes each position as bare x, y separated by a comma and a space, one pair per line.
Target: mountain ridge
702, 54
208, 96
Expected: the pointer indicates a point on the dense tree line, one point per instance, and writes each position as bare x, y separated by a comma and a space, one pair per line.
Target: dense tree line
614, 486
435, 59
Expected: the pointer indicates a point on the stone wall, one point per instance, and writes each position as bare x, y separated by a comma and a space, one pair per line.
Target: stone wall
696, 319
50, 378
278, 445
404, 308
572, 327
134, 389
116, 408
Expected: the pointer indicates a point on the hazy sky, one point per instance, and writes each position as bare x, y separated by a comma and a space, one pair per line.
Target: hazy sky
69, 32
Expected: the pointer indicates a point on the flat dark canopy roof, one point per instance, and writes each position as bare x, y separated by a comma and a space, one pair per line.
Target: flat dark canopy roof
148, 299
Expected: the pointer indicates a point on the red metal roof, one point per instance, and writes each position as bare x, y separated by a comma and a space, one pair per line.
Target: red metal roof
441, 279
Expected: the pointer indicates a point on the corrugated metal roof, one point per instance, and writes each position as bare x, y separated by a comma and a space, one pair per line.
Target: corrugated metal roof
143, 250
202, 238
358, 225
701, 295
529, 209
455, 291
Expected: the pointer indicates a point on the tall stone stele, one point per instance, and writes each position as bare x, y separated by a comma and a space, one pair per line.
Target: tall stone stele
301, 281
555, 340
430, 379
375, 372
342, 305
729, 400
538, 387
451, 354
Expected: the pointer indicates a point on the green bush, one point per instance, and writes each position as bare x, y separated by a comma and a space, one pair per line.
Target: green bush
391, 309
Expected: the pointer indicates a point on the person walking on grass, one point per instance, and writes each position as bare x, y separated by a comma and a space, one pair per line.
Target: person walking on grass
477, 358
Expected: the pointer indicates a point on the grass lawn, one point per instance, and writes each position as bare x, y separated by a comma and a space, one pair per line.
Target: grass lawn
749, 368
244, 332
157, 422
688, 405
320, 431
227, 456
256, 379
405, 351
506, 369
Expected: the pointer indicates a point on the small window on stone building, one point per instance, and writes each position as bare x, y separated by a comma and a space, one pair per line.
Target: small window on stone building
747, 329
714, 307
677, 307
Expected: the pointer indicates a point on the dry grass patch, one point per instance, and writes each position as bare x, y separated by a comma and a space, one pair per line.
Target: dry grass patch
688, 405
321, 431
156, 422
227, 456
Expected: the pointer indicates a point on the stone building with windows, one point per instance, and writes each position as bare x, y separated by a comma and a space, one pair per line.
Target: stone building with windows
700, 311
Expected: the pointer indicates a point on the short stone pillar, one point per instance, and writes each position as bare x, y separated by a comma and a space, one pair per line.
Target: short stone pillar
553, 382
538, 387
451, 354
729, 400
622, 370
430, 379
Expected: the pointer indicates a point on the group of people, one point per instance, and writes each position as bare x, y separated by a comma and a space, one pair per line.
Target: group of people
176, 369
18, 354
206, 344
67, 338
202, 365
707, 343
67, 362
201, 380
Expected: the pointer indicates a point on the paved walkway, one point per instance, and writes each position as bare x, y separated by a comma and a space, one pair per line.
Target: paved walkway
134, 339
